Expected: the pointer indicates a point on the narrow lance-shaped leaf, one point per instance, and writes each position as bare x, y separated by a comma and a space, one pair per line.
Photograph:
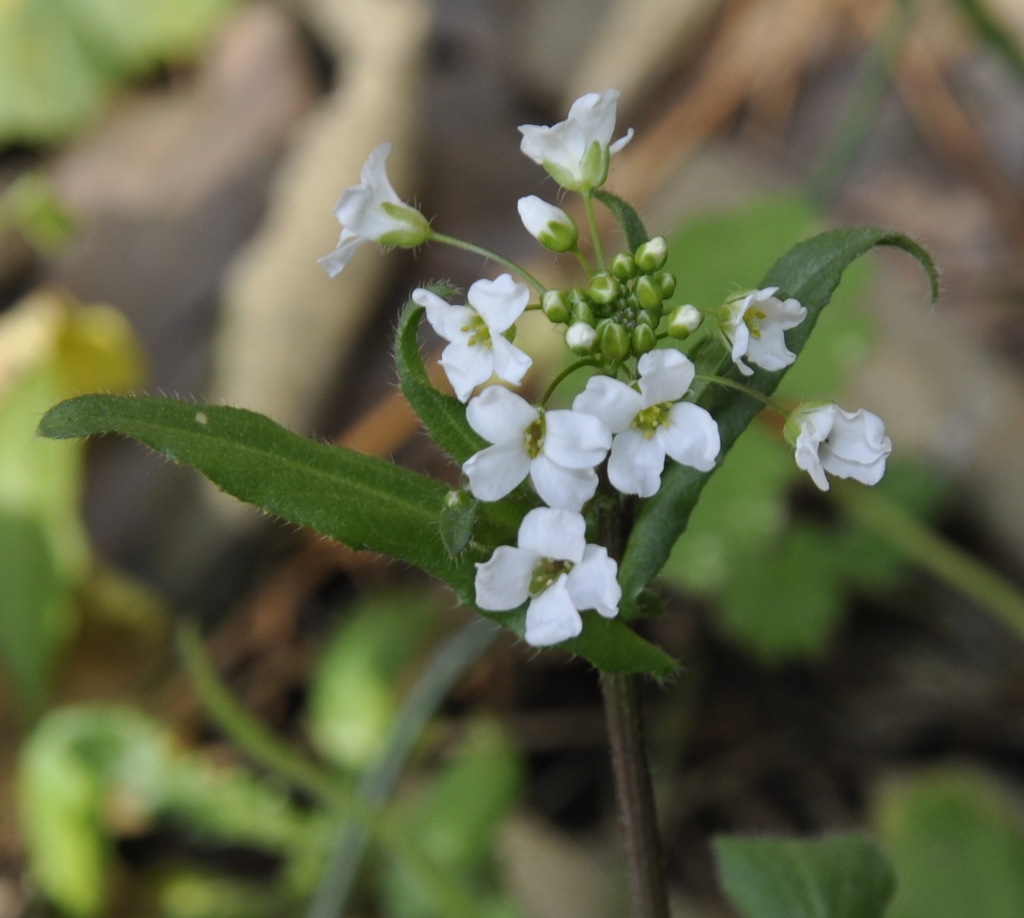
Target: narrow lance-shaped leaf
810, 271
632, 226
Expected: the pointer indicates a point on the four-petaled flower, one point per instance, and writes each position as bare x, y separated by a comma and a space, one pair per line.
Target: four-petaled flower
847, 444
754, 323
652, 423
556, 571
557, 449
372, 211
478, 348
577, 152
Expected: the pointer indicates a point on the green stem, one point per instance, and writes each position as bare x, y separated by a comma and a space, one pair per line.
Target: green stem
934, 553
492, 256
595, 238
728, 383
635, 795
568, 371
264, 747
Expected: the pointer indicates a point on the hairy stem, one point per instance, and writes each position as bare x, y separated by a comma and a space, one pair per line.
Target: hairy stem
635, 794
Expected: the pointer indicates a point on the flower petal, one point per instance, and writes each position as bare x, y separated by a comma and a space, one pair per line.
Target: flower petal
690, 437
551, 617
500, 416
495, 471
554, 533
665, 376
611, 400
635, 463
510, 363
593, 583
561, 487
500, 301
467, 366
503, 581
448, 320
575, 439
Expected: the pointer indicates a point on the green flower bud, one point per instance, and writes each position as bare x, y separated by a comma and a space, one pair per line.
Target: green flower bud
580, 338
648, 292
667, 282
623, 266
580, 309
684, 321
604, 288
555, 305
642, 340
614, 341
652, 255
551, 226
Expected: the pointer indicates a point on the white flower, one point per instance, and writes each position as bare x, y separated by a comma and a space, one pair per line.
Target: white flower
847, 444
577, 152
557, 449
478, 347
556, 571
754, 323
551, 226
372, 211
653, 423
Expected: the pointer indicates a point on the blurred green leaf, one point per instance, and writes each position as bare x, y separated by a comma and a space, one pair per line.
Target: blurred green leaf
357, 687
844, 876
956, 839
59, 59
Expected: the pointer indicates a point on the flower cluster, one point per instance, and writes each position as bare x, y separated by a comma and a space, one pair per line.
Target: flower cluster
638, 409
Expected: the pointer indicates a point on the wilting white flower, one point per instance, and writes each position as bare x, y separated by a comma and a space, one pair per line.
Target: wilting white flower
653, 423
556, 571
557, 449
372, 211
754, 323
577, 152
478, 348
847, 444
551, 226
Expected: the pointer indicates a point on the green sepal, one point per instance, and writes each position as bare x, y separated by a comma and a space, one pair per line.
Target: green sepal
632, 226
443, 415
810, 272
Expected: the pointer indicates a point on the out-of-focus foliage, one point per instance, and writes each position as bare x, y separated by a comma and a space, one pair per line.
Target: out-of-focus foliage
956, 840
60, 59
49, 346
30, 206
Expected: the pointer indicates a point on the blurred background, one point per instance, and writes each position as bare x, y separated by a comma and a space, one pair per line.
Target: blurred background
167, 173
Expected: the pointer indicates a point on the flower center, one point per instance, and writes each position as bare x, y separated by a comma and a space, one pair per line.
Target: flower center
650, 419
546, 573
533, 437
477, 331
752, 318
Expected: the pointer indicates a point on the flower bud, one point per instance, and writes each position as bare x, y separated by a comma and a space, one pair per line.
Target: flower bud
652, 255
551, 226
614, 342
604, 288
554, 305
579, 307
648, 292
684, 321
623, 266
580, 338
642, 339
667, 283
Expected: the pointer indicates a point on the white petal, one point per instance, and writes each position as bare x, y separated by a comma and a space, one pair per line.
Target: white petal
500, 301
447, 320
500, 416
857, 447
635, 463
553, 533
561, 487
611, 400
495, 471
593, 583
690, 437
359, 207
575, 439
334, 262
665, 376
466, 366
510, 363
503, 581
814, 426
551, 617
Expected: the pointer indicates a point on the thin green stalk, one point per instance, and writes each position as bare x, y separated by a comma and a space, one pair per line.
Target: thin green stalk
264, 747
446, 667
595, 238
934, 553
728, 383
635, 795
568, 371
492, 256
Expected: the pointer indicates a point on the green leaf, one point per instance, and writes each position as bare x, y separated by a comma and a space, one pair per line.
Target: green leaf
810, 271
957, 842
360, 500
632, 226
841, 877
443, 415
